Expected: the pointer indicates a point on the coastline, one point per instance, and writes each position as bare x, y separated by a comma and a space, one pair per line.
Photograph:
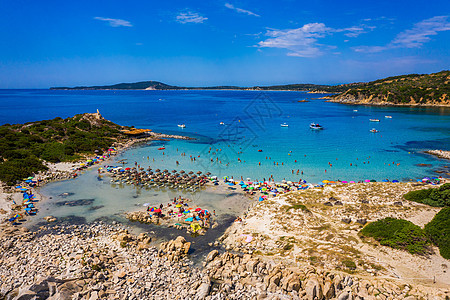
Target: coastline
366, 103
439, 153
11, 199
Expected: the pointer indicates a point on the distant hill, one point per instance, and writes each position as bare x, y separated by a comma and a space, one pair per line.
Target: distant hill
143, 85
413, 89
155, 85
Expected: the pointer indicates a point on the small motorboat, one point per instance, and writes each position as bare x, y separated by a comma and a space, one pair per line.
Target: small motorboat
355, 110
374, 120
315, 126
284, 125
222, 123
374, 130
182, 125
259, 150
388, 117
161, 148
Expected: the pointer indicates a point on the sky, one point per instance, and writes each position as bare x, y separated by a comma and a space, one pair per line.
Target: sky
232, 42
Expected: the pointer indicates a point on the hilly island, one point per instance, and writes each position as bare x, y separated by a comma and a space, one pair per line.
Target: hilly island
413, 89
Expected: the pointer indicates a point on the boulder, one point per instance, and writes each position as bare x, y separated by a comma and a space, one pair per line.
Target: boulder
313, 289
211, 255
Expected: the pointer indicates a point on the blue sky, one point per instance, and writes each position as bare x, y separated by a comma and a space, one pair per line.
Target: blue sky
198, 43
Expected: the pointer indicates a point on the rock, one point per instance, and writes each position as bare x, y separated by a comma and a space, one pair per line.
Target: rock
361, 221
328, 289
211, 255
313, 289
203, 290
346, 294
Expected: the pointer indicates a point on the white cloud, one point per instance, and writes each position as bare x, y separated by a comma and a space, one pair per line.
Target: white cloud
303, 41
414, 37
240, 10
115, 22
190, 17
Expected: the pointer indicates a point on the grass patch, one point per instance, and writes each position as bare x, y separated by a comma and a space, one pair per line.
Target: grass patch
437, 197
349, 264
398, 234
438, 231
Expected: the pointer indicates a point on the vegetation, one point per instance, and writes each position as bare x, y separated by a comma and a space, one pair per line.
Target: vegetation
437, 197
404, 89
438, 231
24, 147
398, 234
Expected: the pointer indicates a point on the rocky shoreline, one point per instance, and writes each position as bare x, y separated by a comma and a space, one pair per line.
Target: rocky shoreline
101, 261
439, 153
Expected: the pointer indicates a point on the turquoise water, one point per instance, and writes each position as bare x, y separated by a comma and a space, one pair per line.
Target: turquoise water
252, 122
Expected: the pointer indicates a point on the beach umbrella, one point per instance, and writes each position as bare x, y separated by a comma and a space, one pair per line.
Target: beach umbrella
367, 180
208, 173
344, 181
199, 172
127, 169
385, 180
157, 170
178, 205
174, 171
31, 177
165, 171
182, 172
373, 180
157, 210
191, 173
189, 219
198, 209
146, 204
395, 180
352, 181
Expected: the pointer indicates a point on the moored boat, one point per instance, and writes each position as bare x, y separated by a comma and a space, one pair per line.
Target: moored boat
315, 126
374, 130
284, 125
374, 120
181, 125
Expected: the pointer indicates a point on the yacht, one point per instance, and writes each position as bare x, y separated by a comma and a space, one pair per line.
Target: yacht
181, 125
374, 130
388, 117
374, 120
284, 125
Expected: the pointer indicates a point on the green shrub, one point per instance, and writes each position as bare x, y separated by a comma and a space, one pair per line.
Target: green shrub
398, 234
437, 197
438, 231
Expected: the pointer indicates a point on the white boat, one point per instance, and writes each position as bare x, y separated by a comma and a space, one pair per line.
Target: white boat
222, 123
388, 117
284, 125
355, 110
374, 130
315, 126
181, 125
374, 120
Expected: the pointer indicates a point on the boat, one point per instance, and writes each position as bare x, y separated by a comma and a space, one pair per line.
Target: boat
355, 110
374, 120
222, 123
315, 126
284, 125
388, 117
374, 130
161, 148
259, 150
181, 125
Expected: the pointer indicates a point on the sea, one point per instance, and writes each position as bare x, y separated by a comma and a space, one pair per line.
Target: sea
237, 134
